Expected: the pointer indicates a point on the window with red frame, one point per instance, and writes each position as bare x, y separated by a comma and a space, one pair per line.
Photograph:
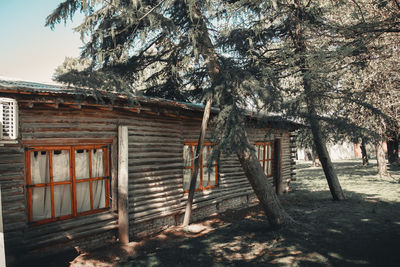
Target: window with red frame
207, 176
264, 155
66, 181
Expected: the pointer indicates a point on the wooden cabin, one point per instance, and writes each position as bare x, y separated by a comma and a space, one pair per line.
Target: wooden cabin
77, 173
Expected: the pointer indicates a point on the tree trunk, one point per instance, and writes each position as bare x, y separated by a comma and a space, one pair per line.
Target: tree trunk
319, 142
199, 149
325, 159
380, 159
263, 189
364, 152
393, 148
320, 146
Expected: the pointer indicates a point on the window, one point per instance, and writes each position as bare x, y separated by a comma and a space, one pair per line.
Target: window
264, 155
8, 119
207, 177
66, 181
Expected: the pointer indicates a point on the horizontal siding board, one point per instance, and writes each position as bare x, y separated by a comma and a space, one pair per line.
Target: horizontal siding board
155, 168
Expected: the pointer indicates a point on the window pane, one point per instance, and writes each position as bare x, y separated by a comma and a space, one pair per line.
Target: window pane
198, 180
269, 167
261, 156
213, 178
99, 193
186, 178
205, 154
265, 168
61, 165
82, 197
40, 171
41, 203
206, 174
269, 151
97, 163
187, 156
62, 200
81, 164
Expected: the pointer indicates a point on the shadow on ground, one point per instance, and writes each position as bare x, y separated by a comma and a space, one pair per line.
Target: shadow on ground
362, 230
359, 231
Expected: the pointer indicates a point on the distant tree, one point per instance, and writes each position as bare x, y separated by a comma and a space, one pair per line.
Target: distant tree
373, 89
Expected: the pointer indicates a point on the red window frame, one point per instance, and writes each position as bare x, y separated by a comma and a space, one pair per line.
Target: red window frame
264, 153
72, 182
202, 165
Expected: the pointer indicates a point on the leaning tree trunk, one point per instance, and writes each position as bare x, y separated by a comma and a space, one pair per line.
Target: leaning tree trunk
199, 149
380, 159
254, 173
319, 142
364, 152
325, 159
263, 188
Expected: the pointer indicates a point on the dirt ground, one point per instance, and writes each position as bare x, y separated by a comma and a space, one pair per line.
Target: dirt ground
362, 230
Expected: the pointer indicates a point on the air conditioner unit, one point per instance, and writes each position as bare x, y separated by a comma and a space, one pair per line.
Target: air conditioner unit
8, 119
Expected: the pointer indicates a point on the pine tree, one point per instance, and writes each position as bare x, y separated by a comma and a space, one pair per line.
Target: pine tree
166, 46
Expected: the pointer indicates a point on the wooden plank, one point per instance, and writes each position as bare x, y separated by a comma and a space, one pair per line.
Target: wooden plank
114, 174
123, 195
2, 251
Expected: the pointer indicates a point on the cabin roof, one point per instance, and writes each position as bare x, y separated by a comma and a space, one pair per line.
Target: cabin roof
27, 87
35, 88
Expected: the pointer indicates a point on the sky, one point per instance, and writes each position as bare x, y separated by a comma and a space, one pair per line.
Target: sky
28, 50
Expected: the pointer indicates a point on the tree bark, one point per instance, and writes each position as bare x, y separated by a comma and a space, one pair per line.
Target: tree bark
393, 148
199, 149
251, 166
263, 188
319, 142
364, 154
380, 159
325, 159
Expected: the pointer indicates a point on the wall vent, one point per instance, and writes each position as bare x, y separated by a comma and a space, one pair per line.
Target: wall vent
8, 119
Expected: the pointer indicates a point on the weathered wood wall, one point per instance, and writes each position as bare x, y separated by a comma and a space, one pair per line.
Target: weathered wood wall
156, 192
155, 169
37, 123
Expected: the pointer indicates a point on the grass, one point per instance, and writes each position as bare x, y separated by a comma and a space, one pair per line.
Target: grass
362, 230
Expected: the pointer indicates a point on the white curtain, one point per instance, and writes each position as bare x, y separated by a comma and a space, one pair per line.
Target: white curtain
40, 174
186, 178
98, 187
82, 188
62, 193
41, 196
81, 164
61, 166
82, 172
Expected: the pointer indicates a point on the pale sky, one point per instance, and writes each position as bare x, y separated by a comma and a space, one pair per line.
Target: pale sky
28, 50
